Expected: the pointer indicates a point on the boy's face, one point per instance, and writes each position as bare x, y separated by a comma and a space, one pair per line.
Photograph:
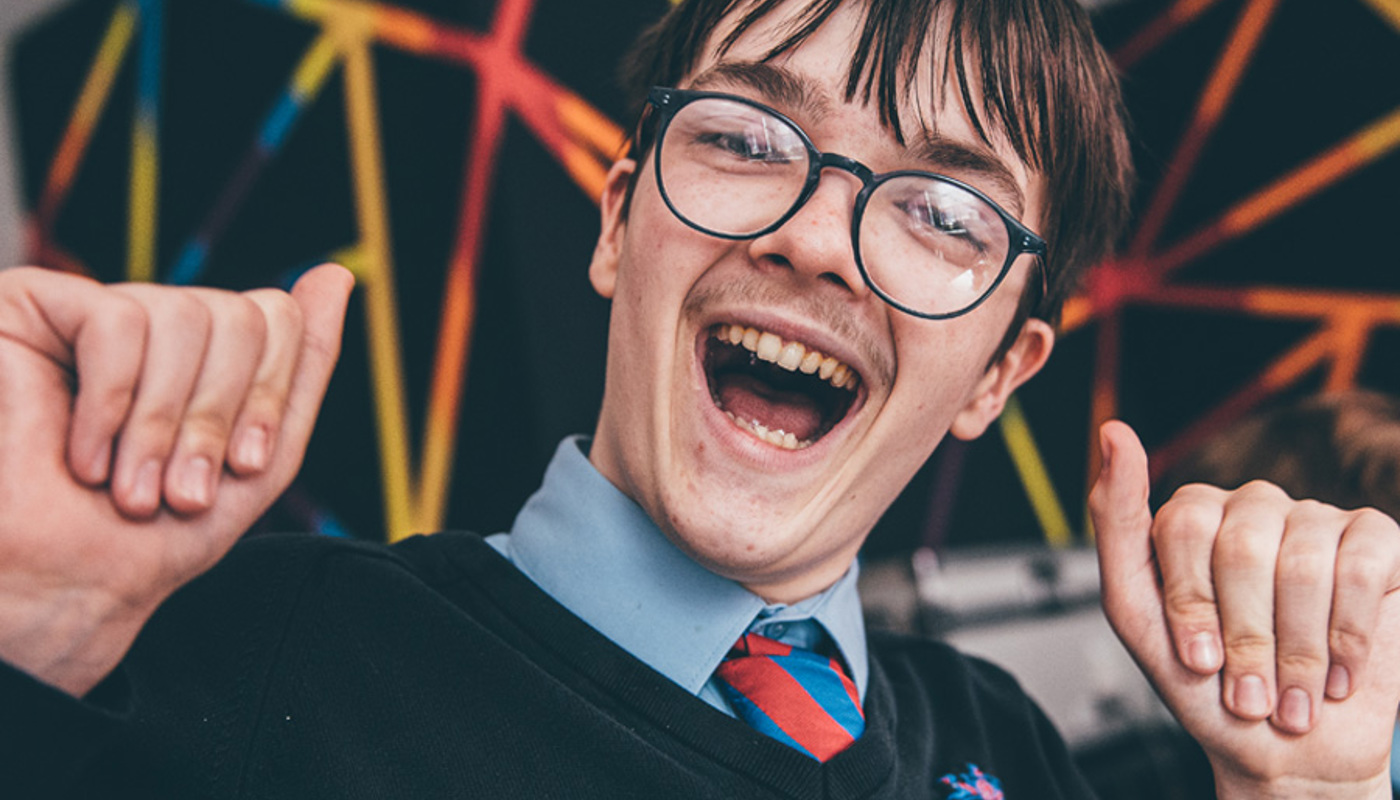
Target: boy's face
676, 430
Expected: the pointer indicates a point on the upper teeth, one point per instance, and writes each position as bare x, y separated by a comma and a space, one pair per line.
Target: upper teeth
791, 356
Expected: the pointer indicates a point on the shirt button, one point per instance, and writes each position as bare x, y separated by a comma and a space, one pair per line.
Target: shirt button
776, 630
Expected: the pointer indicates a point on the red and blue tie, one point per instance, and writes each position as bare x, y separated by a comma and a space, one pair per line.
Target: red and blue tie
796, 696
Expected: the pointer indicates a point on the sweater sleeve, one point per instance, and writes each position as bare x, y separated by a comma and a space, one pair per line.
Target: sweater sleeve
48, 737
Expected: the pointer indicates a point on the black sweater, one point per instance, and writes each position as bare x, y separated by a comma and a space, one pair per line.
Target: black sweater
305, 667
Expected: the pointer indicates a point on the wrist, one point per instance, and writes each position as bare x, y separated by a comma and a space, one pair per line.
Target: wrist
71, 641
1230, 786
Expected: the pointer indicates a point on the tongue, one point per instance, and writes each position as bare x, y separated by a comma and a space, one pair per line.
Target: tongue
750, 398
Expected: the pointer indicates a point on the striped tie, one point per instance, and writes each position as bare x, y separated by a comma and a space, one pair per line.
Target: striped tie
798, 697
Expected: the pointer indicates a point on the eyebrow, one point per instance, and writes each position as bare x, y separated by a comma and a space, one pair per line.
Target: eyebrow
959, 156
793, 91
776, 84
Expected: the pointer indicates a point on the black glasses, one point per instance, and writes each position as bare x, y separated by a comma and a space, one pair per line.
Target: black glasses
927, 244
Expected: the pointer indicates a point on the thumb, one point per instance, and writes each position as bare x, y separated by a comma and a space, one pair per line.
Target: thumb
1118, 501
322, 294
1122, 519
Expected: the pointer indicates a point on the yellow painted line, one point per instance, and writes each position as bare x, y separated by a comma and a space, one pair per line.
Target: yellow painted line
353, 259
1367, 145
92, 99
1389, 10
315, 65
145, 174
382, 328
1034, 477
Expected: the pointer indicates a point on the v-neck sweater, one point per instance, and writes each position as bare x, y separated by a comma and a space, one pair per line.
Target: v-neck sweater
308, 667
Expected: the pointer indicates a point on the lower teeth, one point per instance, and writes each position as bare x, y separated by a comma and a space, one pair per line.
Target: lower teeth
778, 438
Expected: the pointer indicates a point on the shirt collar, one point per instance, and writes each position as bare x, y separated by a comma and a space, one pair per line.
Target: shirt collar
593, 549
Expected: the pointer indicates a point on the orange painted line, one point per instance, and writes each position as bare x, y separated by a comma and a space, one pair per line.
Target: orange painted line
1366, 146
1389, 10
92, 99
1281, 302
1350, 339
1078, 311
499, 75
1220, 87
1284, 370
1161, 28
405, 29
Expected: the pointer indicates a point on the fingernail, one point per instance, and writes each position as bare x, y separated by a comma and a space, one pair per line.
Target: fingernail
252, 447
1338, 682
1295, 709
1251, 697
1204, 652
196, 480
145, 488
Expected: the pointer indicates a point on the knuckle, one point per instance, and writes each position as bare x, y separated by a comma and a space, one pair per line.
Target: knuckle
1361, 575
125, 313
1305, 568
279, 310
1262, 491
1347, 640
190, 314
1241, 546
156, 422
1309, 510
1249, 645
1374, 517
243, 317
1189, 609
208, 429
1299, 662
1186, 522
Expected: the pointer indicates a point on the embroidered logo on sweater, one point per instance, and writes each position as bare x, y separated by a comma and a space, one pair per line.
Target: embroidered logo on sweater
973, 785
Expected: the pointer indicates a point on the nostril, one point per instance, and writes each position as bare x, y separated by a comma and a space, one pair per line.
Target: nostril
836, 280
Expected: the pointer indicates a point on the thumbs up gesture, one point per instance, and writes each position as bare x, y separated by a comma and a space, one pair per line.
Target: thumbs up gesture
1269, 626
142, 430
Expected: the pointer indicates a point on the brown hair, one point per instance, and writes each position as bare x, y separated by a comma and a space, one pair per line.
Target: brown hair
1028, 70
1342, 449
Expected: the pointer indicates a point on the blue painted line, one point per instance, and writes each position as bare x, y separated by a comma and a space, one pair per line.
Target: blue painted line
190, 265
279, 123
152, 13
327, 525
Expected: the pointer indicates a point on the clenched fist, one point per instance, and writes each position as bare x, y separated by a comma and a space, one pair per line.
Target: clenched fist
143, 428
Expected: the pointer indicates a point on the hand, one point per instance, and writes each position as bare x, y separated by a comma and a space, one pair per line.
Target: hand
1269, 626
118, 484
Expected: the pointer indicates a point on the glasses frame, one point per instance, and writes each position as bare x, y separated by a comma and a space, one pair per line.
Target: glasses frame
1020, 239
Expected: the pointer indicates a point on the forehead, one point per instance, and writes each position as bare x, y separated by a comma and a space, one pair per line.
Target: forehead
813, 80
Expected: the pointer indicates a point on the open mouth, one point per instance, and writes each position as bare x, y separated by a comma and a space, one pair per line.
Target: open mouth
782, 392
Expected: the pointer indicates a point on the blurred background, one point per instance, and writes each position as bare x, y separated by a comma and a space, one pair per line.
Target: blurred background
450, 153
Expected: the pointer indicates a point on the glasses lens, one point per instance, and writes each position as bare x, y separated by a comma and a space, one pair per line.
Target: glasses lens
931, 245
730, 168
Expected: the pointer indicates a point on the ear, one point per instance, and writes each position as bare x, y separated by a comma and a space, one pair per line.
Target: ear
1022, 361
602, 271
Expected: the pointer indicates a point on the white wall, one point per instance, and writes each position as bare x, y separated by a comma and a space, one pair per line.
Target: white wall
14, 16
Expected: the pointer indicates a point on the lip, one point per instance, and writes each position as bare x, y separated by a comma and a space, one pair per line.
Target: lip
745, 445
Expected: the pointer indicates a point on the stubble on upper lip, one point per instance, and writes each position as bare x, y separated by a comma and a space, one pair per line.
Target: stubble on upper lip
845, 337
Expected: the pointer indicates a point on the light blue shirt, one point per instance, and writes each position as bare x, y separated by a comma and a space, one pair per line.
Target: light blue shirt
596, 552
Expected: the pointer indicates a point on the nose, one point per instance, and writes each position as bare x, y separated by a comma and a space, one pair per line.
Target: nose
816, 240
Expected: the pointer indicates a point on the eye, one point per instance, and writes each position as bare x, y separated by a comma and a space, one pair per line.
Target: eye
937, 218
748, 144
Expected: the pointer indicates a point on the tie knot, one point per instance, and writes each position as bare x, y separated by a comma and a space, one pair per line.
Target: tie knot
796, 696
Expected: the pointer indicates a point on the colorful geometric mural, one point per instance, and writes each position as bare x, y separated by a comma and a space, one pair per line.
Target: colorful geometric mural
1260, 264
